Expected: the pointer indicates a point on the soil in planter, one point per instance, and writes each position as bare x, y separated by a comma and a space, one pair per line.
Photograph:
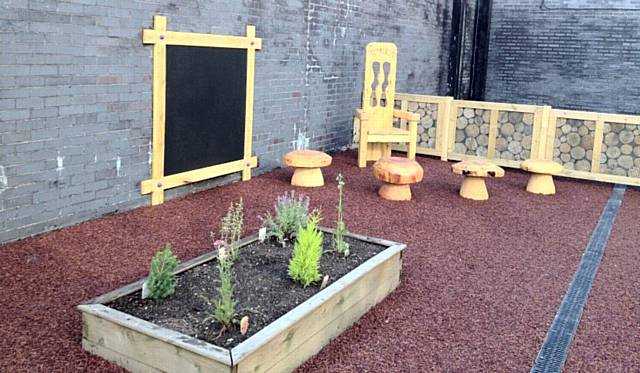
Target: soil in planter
263, 291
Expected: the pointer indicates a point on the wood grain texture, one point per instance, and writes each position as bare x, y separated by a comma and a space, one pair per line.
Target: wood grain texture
159, 104
442, 135
191, 39
396, 170
477, 168
493, 133
115, 335
306, 159
547, 139
541, 166
248, 116
598, 137
376, 116
536, 134
183, 178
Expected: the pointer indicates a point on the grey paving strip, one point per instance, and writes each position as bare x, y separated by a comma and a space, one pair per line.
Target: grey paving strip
553, 353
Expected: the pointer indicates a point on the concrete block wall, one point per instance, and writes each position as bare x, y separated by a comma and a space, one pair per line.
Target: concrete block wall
75, 90
574, 54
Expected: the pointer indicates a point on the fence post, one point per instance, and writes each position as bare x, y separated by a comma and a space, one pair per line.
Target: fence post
493, 133
536, 133
598, 136
542, 132
548, 133
442, 127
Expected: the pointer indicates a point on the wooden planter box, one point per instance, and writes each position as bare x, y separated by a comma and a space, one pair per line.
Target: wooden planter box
283, 345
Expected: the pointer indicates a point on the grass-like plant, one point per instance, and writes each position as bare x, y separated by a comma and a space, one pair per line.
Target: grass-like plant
304, 266
291, 213
339, 243
162, 281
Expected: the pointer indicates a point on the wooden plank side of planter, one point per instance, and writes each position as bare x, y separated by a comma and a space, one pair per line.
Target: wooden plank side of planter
373, 240
137, 346
283, 345
117, 358
306, 336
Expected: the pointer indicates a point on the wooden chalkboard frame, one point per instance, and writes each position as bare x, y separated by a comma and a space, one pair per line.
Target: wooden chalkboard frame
160, 38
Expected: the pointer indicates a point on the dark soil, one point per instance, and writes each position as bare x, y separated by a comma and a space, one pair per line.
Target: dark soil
480, 285
263, 291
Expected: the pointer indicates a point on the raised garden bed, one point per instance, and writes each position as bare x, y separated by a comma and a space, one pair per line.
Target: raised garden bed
279, 339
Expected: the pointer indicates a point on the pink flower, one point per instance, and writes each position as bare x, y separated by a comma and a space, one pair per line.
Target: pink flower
218, 243
244, 325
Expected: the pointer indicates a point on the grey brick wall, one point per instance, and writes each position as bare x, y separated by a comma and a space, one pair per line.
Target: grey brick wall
568, 53
75, 89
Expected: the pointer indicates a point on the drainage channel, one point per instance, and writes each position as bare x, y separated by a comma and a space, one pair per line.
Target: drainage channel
553, 353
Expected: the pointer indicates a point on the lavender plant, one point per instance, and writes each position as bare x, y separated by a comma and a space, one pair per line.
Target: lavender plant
339, 243
291, 213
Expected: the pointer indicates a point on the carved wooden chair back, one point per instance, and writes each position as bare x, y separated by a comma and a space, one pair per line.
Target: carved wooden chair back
380, 84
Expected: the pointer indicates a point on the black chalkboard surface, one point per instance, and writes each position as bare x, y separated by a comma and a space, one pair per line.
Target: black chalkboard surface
205, 107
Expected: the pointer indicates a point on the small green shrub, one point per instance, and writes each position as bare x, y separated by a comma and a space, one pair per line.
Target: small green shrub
339, 244
291, 214
304, 266
162, 281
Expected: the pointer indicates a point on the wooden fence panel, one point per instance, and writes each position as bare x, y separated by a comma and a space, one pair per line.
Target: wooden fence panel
593, 146
433, 111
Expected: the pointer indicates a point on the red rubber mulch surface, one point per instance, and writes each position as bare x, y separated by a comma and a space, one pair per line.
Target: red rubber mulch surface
481, 280
608, 337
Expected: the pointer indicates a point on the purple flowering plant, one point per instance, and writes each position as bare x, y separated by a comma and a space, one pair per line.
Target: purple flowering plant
291, 214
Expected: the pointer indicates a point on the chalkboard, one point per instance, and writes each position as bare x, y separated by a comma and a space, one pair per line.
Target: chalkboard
205, 107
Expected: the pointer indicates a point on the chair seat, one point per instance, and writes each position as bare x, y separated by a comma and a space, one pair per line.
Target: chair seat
389, 134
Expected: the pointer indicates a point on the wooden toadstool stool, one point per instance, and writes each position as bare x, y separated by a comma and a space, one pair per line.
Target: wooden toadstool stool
396, 175
474, 172
307, 164
541, 179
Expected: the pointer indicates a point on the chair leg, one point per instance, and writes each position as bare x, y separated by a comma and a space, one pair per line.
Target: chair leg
362, 155
362, 147
413, 140
386, 152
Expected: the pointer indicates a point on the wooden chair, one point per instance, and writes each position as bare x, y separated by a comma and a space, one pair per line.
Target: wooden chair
374, 121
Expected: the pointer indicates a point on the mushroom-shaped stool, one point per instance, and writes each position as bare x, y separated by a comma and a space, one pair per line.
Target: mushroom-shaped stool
541, 181
307, 164
474, 172
396, 175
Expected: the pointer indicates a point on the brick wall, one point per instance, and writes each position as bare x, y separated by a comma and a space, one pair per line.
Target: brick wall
576, 54
465, 79
75, 89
